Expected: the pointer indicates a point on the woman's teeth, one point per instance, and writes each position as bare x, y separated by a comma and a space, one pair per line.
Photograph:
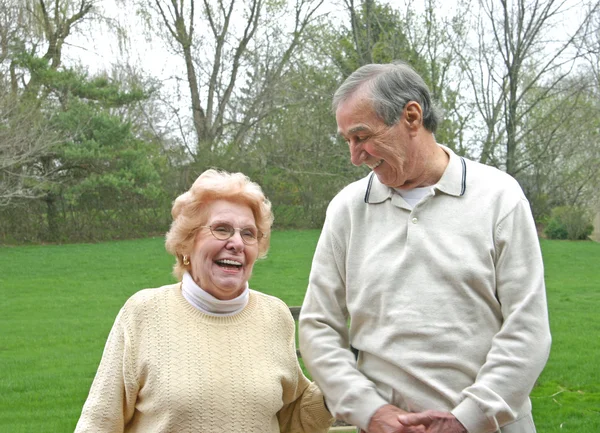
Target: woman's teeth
226, 262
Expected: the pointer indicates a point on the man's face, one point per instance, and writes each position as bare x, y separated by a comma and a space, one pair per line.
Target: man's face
387, 150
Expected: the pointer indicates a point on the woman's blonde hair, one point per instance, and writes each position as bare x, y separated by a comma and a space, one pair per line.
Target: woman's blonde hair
190, 211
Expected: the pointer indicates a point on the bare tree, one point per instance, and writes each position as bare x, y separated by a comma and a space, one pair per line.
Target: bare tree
592, 48
566, 145
518, 62
362, 35
436, 37
373, 32
25, 135
221, 42
46, 24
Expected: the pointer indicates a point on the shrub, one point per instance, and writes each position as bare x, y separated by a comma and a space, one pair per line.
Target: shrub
569, 222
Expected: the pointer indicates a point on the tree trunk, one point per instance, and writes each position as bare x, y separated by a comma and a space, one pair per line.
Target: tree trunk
51, 217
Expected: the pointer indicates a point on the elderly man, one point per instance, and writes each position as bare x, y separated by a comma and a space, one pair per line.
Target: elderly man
431, 268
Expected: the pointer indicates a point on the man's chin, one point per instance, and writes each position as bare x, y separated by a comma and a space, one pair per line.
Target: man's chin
386, 181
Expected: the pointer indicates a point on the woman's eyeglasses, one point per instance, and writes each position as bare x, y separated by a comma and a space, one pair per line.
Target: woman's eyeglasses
222, 232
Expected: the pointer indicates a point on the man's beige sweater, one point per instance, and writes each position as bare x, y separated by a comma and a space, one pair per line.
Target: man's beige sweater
445, 300
167, 367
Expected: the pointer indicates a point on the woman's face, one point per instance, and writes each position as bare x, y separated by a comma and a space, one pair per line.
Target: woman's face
223, 267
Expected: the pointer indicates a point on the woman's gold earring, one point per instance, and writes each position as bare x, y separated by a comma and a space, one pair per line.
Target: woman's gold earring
186, 260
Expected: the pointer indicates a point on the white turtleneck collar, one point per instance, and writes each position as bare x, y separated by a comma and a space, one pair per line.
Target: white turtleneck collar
207, 303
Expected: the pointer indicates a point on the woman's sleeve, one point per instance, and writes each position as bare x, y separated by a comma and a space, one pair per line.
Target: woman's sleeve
111, 401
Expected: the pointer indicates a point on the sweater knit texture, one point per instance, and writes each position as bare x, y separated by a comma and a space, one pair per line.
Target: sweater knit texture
167, 367
445, 301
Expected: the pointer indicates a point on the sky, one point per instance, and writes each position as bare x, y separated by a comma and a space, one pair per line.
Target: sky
99, 48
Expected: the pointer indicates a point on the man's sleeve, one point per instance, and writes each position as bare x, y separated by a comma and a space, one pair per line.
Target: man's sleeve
520, 349
324, 339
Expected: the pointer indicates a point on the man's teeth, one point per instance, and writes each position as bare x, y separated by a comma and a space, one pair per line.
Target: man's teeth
229, 262
377, 164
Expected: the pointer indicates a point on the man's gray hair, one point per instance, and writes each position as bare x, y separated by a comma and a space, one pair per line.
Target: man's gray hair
391, 87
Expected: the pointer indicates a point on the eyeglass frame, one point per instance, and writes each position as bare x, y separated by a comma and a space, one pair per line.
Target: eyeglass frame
259, 234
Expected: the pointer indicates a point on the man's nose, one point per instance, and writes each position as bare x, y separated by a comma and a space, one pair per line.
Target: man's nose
357, 154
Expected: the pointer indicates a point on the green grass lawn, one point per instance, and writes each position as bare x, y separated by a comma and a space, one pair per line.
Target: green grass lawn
567, 398
57, 304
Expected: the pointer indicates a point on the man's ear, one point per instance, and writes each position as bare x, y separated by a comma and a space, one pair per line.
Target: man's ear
413, 114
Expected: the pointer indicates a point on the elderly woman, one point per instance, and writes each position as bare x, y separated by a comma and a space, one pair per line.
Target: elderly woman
206, 354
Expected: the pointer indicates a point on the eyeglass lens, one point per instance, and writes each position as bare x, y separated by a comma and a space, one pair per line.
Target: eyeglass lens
225, 231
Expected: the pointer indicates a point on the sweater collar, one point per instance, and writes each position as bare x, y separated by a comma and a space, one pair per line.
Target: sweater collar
207, 303
452, 182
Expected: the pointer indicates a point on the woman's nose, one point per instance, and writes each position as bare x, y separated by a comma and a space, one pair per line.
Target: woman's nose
236, 241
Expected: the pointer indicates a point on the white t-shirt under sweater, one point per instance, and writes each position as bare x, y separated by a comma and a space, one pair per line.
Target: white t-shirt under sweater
414, 195
168, 367
446, 301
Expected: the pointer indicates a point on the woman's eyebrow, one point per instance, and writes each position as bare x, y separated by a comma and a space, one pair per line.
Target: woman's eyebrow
243, 226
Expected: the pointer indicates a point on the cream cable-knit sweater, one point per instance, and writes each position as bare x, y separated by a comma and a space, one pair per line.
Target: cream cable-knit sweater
167, 367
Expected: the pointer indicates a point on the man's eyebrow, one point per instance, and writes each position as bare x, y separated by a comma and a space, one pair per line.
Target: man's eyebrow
358, 128
354, 130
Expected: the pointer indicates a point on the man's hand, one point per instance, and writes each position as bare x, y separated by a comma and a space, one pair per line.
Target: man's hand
386, 420
434, 421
